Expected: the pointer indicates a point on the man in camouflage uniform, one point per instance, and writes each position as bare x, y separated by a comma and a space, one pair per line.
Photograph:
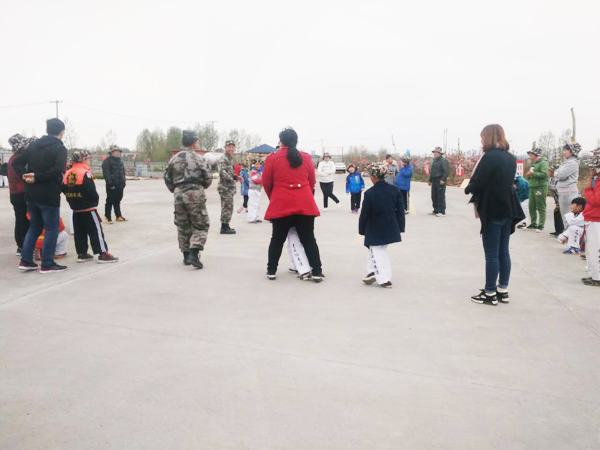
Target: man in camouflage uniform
187, 175
226, 187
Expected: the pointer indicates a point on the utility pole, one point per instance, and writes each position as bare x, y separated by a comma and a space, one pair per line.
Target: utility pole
445, 139
56, 102
212, 130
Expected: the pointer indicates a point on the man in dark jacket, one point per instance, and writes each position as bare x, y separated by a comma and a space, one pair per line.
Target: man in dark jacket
41, 165
437, 179
113, 170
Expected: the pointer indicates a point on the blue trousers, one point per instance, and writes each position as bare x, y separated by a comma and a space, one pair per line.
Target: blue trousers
41, 217
496, 238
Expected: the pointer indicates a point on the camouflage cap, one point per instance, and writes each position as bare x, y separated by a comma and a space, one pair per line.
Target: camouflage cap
80, 155
17, 142
114, 148
254, 161
535, 151
229, 142
594, 161
574, 148
326, 155
438, 150
378, 170
406, 159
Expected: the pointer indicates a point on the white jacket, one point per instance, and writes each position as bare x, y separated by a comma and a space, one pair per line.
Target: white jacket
326, 171
574, 220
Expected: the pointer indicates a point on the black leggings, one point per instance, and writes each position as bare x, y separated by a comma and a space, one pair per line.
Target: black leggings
113, 199
246, 201
327, 189
404, 199
305, 226
21, 220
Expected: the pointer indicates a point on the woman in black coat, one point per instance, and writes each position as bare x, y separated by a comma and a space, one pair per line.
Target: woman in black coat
381, 222
499, 210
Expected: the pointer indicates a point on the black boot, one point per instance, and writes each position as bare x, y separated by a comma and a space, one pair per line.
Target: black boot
194, 259
186, 253
226, 230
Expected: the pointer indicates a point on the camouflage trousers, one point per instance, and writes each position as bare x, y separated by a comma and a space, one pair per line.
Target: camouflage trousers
227, 194
191, 218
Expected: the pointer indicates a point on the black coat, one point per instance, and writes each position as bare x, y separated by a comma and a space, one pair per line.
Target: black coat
492, 186
439, 169
46, 158
382, 215
113, 170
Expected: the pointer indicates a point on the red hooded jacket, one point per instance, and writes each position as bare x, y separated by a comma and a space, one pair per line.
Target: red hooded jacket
591, 213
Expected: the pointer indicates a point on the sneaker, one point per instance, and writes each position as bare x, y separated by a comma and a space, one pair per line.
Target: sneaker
26, 267
55, 268
433, 213
60, 256
121, 219
482, 298
572, 251
317, 278
306, 277
554, 234
591, 282
84, 258
294, 271
108, 221
502, 295
339, 204
369, 279
539, 229
406, 212
440, 215
521, 225
252, 221
532, 227
325, 209
107, 258
258, 221
271, 276
387, 285
19, 251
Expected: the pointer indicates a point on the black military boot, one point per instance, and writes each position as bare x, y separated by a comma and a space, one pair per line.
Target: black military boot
186, 253
226, 230
194, 259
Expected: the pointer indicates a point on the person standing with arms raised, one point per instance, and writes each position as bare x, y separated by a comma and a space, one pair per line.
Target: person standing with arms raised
289, 180
499, 210
42, 165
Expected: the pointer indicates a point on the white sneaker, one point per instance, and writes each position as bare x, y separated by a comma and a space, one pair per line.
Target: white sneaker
339, 205
325, 209
440, 215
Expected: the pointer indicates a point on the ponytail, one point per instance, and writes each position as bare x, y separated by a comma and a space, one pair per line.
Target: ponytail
289, 138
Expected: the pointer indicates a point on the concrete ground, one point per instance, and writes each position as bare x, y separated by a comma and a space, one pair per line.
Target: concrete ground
149, 354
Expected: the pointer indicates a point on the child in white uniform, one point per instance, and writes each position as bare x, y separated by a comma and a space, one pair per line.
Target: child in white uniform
575, 222
254, 192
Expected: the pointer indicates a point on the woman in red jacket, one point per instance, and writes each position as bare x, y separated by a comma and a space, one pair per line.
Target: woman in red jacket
289, 181
591, 215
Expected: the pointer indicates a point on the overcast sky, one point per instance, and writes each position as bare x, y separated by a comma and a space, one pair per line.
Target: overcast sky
347, 72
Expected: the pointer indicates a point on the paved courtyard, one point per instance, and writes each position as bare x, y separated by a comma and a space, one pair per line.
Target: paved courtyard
148, 354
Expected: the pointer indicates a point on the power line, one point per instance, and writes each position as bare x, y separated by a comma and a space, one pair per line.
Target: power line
23, 105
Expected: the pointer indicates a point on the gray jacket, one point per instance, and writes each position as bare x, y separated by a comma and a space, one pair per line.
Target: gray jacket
439, 169
567, 175
391, 177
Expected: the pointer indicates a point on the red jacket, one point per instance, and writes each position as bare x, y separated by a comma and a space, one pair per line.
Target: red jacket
15, 181
591, 213
290, 191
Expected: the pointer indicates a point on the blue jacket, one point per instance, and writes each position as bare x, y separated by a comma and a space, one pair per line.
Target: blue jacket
245, 184
404, 177
354, 183
522, 188
382, 215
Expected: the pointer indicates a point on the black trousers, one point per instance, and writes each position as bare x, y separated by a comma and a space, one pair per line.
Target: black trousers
438, 197
88, 224
113, 199
21, 220
327, 189
355, 201
246, 201
404, 199
559, 225
305, 226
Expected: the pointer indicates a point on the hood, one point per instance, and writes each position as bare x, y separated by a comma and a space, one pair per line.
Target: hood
47, 141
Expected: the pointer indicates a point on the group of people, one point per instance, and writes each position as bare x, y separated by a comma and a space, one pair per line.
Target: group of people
39, 173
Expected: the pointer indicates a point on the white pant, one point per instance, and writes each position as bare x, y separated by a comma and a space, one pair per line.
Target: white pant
71, 226
378, 263
253, 204
298, 259
592, 249
525, 206
61, 243
573, 235
4, 181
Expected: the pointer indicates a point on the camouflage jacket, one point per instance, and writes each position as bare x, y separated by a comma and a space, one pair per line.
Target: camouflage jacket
226, 176
187, 168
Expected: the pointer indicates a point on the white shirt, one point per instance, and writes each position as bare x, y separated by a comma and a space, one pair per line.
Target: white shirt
326, 171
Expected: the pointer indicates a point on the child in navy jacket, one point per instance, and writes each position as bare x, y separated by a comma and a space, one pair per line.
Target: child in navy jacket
354, 186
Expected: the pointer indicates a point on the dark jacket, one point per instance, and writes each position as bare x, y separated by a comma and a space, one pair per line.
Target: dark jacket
492, 186
113, 170
80, 189
46, 158
382, 215
439, 169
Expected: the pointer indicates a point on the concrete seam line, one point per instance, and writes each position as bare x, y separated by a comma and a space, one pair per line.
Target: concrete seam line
295, 355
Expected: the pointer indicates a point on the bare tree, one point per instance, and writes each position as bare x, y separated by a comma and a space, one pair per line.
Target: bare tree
109, 139
70, 137
547, 143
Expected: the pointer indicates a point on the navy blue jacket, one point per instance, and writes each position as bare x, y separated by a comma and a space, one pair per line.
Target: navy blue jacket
404, 177
382, 215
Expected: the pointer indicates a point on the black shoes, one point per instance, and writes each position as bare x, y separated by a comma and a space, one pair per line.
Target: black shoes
84, 258
225, 229
26, 267
271, 276
193, 259
55, 268
502, 295
483, 298
185, 257
369, 279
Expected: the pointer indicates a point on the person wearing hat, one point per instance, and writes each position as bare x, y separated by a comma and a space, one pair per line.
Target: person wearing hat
80, 190
567, 176
113, 170
438, 175
403, 180
538, 189
226, 187
325, 173
187, 176
559, 226
16, 190
381, 222
591, 215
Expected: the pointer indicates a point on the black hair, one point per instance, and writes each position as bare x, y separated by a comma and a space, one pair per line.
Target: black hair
289, 138
387, 156
188, 141
54, 127
579, 201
